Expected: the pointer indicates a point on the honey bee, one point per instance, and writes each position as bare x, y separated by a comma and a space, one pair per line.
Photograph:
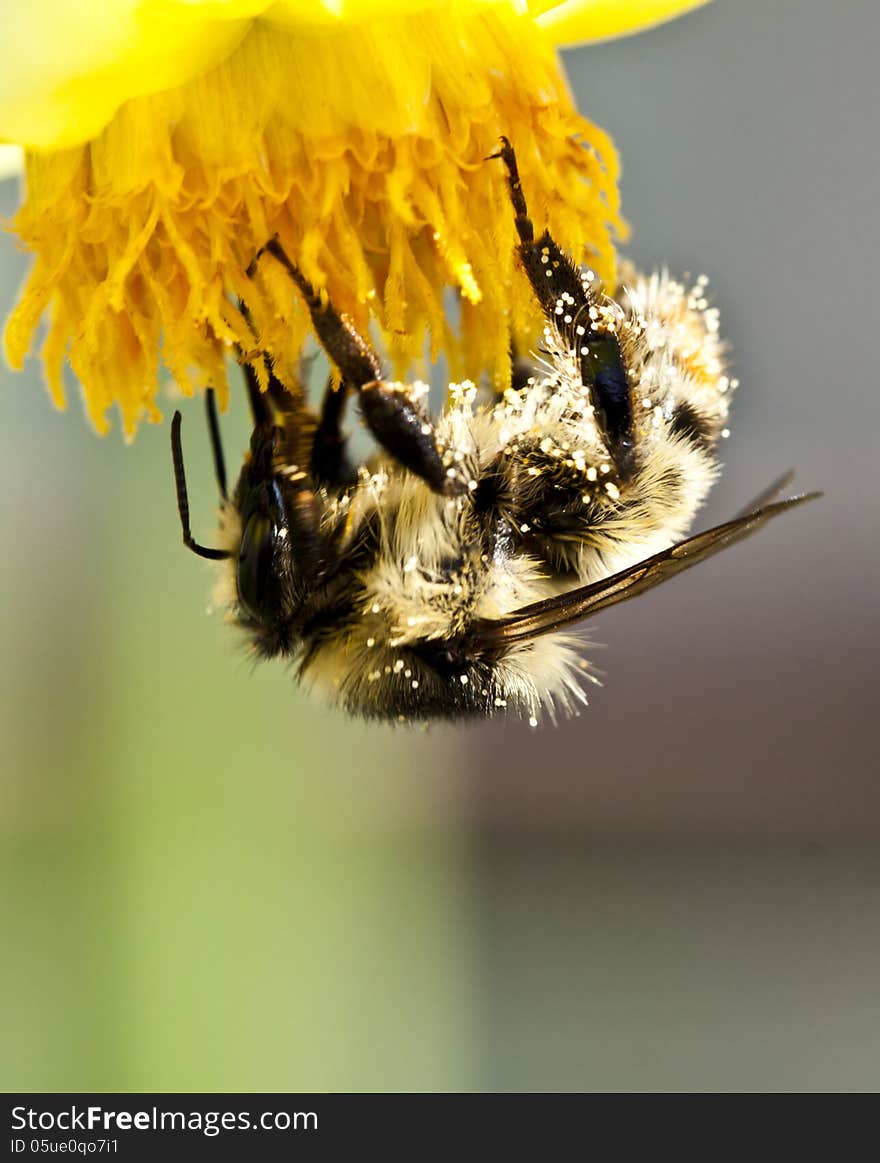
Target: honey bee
444, 578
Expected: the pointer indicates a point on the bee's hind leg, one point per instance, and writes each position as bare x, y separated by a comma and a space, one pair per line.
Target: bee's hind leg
331, 464
550, 270
389, 410
568, 303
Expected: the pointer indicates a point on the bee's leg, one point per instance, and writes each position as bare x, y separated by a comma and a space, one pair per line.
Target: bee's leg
261, 411
330, 461
566, 298
277, 396
389, 410
553, 275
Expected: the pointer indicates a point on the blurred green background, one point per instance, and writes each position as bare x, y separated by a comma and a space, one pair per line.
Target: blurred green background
209, 883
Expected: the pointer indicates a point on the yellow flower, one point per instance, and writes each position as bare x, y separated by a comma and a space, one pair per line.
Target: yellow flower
164, 148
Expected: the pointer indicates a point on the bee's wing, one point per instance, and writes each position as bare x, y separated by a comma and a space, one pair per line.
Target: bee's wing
566, 609
769, 494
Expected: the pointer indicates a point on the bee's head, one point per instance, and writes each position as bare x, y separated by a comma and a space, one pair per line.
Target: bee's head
276, 557
270, 534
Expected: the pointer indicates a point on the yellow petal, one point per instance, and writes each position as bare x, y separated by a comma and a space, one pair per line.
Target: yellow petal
73, 65
359, 134
169, 142
585, 21
380, 190
326, 13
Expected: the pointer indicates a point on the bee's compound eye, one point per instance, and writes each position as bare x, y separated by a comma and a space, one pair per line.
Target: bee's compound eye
255, 565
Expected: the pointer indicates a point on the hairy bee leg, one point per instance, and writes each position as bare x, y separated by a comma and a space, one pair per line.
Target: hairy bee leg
390, 413
330, 462
566, 300
183, 498
259, 405
349, 351
550, 271
277, 395
403, 430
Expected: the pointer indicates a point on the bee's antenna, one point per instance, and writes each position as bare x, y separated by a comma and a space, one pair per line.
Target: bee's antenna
216, 442
182, 498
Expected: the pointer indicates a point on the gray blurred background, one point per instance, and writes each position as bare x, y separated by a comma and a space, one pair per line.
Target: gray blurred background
209, 883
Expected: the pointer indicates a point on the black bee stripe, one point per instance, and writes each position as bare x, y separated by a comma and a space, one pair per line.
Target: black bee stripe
699, 430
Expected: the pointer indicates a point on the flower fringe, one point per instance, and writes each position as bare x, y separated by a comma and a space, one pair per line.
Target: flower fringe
363, 149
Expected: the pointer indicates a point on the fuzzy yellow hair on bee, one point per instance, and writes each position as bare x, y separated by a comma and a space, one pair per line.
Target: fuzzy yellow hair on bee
442, 580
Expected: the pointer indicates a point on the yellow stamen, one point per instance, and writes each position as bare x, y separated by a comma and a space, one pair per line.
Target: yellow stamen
363, 147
